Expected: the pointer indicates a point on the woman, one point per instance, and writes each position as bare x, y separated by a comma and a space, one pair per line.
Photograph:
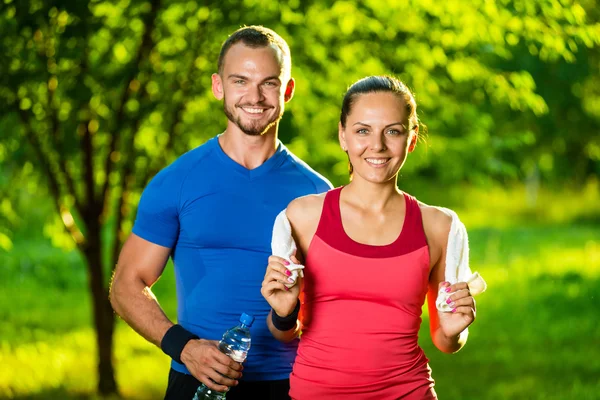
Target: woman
371, 254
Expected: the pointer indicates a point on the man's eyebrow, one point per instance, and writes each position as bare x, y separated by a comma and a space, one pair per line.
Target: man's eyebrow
269, 78
274, 77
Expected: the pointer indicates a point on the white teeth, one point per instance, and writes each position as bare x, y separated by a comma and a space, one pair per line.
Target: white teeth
377, 160
254, 110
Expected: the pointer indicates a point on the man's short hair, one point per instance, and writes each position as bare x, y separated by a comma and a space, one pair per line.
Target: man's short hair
256, 36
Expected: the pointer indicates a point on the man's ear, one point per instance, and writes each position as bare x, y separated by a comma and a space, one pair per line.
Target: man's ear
289, 90
217, 86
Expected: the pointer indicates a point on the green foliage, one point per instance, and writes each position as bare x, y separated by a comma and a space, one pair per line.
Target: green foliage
502, 86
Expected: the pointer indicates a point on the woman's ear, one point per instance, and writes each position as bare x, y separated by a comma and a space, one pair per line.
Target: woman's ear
342, 137
414, 137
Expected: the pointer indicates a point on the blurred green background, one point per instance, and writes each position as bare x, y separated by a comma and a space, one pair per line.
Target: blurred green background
97, 96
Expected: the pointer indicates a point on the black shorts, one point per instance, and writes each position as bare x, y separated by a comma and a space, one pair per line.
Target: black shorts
183, 387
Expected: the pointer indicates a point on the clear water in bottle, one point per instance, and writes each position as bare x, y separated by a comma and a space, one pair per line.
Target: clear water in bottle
236, 344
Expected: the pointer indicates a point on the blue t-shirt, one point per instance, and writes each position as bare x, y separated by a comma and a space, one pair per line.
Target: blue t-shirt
217, 216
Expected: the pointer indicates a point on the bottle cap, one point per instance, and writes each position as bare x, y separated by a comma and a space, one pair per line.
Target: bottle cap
246, 319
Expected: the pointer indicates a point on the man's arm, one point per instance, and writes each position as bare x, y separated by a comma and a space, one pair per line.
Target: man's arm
140, 265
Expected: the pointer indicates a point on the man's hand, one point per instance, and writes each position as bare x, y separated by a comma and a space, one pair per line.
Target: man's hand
206, 363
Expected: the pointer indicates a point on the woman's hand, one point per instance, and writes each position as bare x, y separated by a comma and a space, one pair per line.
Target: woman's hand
463, 309
281, 298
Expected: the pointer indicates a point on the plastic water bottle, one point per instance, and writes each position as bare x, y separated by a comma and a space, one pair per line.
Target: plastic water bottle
236, 344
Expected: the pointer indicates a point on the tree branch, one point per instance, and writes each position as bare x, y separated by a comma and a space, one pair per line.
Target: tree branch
62, 162
54, 123
87, 148
68, 221
122, 211
177, 114
145, 47
86, 142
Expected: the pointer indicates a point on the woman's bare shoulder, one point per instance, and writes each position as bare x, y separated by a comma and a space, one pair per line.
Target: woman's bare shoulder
436, 223
305, 208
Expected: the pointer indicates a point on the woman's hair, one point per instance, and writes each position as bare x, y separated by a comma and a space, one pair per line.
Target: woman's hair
379, 84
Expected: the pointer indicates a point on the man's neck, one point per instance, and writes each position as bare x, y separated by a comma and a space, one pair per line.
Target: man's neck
247, 150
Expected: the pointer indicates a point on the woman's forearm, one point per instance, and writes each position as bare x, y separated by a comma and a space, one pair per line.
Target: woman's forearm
283, 336
449, 344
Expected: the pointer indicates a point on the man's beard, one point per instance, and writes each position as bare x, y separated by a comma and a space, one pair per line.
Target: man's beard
252, 128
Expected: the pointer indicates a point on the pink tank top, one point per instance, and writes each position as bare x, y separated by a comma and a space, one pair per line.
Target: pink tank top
362, 312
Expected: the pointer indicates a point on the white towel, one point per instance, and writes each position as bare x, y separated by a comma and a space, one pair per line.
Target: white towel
457, 256
284, 246
457, 262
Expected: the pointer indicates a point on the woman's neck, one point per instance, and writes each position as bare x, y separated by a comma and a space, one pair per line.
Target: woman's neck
371, 196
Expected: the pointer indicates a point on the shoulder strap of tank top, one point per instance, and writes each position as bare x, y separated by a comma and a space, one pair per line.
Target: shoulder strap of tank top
330, 221
413, 233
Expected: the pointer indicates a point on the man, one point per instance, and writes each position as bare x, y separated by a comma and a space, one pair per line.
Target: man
212, 211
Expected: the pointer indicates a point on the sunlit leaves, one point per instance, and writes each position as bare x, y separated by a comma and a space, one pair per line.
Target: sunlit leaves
54, 230
470, 64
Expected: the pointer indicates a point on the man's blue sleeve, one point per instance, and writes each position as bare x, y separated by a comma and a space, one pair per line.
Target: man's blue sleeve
157, 219
323, 185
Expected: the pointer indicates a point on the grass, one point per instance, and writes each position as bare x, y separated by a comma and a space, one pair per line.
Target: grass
536, 334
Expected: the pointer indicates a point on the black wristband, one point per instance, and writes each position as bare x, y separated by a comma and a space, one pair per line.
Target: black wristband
285, 323
174, 341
